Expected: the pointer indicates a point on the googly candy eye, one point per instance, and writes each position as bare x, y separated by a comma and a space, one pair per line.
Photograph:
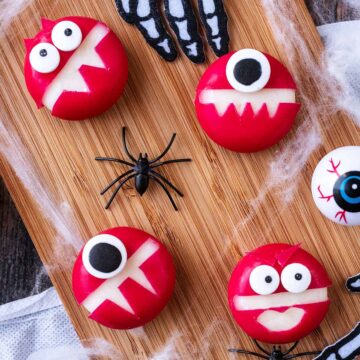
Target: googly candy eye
296, 278
104, 256
248, 70
66, 35
264, 280
44, 58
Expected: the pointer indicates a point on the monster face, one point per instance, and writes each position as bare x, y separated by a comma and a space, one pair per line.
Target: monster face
76, 67
245, 101
124, 277
336, 185
278, 293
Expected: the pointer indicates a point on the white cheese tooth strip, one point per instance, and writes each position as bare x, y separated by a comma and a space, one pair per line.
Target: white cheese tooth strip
283, 299
221, 107
271, 97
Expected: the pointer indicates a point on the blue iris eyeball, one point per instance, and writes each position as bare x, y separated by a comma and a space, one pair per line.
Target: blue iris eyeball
335, 185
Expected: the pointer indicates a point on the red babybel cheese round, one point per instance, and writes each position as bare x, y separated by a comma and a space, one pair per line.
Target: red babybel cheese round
278, 293
245, 101
76, 67
124, 277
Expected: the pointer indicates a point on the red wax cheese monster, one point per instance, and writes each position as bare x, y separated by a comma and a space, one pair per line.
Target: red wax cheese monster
278, 293
124, 277
245, 101
76, 67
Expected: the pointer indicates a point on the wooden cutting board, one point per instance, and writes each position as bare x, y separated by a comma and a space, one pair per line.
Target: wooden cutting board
48, 166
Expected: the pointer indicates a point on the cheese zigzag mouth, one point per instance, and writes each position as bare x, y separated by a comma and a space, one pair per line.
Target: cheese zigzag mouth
69, 78
271, 98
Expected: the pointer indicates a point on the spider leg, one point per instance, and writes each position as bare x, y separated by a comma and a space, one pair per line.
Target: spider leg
308, 353
125, 145
183, 22
214, 18
261, 348
292, 347
166, 191
117, 190
239, 351
169, 162
167, 182
115, 181
165, 151
99, 158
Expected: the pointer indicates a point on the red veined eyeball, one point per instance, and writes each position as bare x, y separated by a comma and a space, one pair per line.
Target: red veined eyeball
335, 185
278, 293
124, 277
245, 101
76, 67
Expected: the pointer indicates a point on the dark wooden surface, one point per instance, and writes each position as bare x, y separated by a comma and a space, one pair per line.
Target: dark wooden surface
21, 272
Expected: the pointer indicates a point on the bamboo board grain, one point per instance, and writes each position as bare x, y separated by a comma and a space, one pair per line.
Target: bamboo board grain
204, 236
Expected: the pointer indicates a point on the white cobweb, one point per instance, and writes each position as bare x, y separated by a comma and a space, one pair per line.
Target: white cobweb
337, 76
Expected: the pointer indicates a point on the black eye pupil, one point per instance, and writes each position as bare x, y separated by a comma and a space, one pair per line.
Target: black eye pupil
43, 52
298, 276
68, 32
105, 258
247, 71
268, 279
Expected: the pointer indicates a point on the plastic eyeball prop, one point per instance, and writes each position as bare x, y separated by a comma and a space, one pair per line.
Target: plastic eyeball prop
124, 277
335, 185
245, 101
76, 67
278, 293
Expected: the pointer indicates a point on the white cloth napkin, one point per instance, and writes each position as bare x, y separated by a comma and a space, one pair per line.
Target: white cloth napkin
37, 328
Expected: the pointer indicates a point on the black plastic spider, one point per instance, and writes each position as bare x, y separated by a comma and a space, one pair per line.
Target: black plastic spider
142, 170
276, 353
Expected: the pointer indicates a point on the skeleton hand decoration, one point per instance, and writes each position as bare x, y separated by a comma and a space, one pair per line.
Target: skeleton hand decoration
146, 16
348, 347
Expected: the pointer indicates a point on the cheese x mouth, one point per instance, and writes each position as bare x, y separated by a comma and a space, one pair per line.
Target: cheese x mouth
69, 78
277, 300
223, 98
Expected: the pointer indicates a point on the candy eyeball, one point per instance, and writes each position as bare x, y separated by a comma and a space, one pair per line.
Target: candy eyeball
44, 58
296, 278
248, 70
264, 280
100, 247
335, 185
66, 36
